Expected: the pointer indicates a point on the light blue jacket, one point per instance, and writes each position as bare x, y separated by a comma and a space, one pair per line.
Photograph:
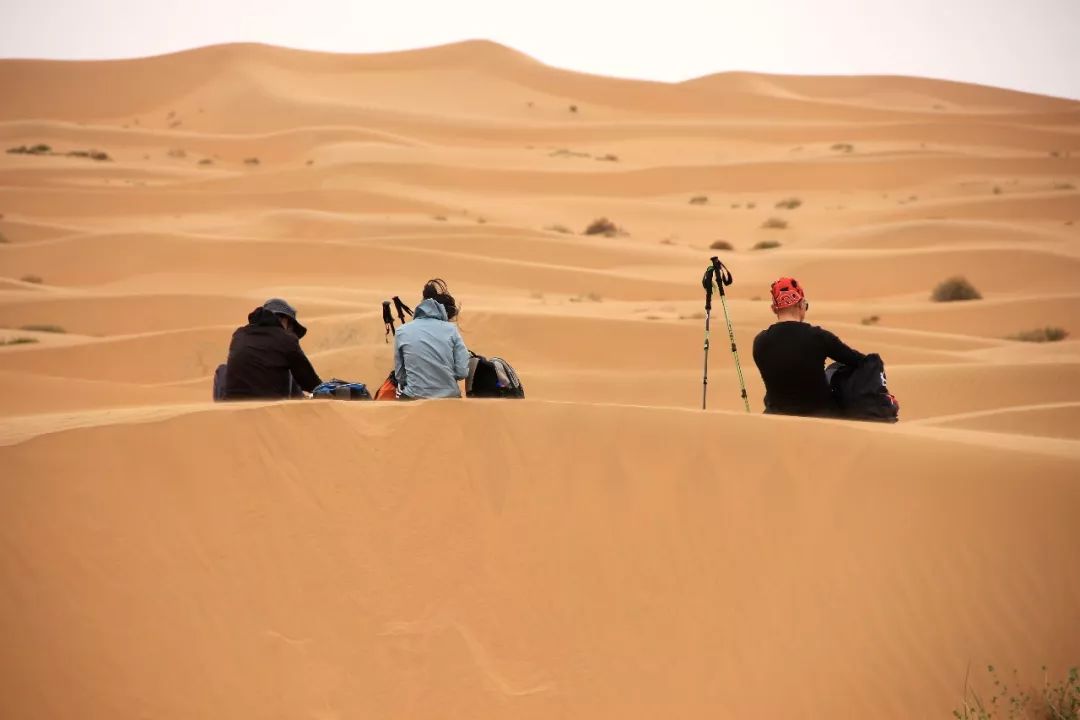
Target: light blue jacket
429, 354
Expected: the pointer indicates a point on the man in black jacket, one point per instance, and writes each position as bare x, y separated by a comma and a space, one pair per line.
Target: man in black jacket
791, 356
265, 358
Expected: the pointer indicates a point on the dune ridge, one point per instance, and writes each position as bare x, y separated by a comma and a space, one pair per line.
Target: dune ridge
603, 548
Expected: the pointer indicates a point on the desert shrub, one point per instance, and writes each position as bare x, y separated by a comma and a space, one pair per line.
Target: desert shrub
1064, 186
32, 279
788, 204
43, 328
997, 190
751, 206
736, 206
721, 245
177, 153
3, 239
39, 149
89, 154
19, 341
872, 320
564, 152
206, 161
602, 226
774, 223
955, 288
573, 108
1046, 334
559, 229
843, 147
667, 241
310, 162
608, 158
699, 200
440, 218
766, 245
251, 161
1057, 701
481, 220
587, 297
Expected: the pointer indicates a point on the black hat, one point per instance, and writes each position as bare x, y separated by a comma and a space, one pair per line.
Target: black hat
280, 307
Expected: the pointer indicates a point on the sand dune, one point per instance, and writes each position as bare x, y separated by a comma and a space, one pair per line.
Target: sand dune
603, 548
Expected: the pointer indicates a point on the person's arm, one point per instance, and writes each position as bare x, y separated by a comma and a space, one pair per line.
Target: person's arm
399, 362
461, 356
840, 352
300, 367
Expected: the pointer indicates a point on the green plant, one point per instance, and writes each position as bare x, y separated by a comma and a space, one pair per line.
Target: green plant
1046, 334
43, 328
1063, 699
774, 223
39, 149
721, 245
766, 245
559, 229
603, 226
32, 279
699, 200
1057, 701
789, 204
953, 289
19, 341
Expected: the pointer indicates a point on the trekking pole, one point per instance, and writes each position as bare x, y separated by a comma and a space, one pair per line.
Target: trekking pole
723, 279
707, 283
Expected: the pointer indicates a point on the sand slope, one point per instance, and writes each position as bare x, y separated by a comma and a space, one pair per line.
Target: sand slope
603, 548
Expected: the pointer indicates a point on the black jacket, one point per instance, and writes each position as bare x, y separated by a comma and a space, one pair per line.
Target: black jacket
265, 359
791, 357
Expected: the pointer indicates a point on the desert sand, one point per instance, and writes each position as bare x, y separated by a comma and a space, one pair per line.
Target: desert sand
603, 548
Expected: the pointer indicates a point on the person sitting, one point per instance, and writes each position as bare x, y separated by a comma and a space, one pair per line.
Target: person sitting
265, 358
791, 353
430, 358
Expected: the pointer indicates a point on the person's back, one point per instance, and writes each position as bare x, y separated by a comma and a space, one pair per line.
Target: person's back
430, 356
265, 357
791, 356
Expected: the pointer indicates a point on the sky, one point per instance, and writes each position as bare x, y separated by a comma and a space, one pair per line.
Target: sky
1032, 45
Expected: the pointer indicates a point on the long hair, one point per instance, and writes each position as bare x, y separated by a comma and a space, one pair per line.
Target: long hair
437, 290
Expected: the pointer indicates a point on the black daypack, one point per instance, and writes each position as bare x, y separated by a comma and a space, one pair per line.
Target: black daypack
492, 378
862, 392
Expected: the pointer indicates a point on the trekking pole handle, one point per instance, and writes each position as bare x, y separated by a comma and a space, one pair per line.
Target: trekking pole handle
723, 275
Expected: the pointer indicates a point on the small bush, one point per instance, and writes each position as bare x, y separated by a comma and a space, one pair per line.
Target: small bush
953, 289
872, 320
310, 162
251, 161
19, 341
179, 153
573, 108
588, 297
39, 149
736, 206
721, 245
89, 154
667, 241
699, 200
206, 161
788, 204
1039, 335
751, 206
440, 218
602, 226
559, 229
997, 190
608, 158
1058, 701
843, 147
481, 220
32, 279
1064, 186
43, 328
774, 224
766, 245
3, 239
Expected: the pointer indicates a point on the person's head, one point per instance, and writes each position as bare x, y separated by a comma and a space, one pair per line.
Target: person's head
789, 299
437, 290
285, 315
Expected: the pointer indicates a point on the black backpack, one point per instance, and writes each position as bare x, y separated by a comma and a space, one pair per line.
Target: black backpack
341, 390
862, 392
492, 378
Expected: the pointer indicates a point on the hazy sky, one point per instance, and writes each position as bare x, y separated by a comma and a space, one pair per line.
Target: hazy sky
1029, 45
